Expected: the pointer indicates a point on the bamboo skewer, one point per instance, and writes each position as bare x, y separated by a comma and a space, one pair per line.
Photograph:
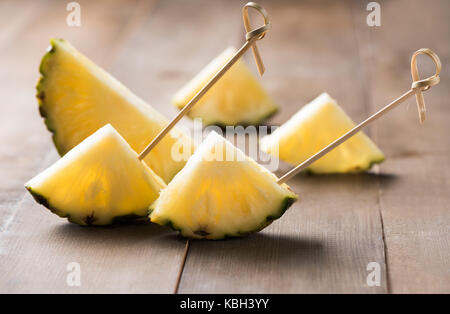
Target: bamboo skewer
417, 87
251, 37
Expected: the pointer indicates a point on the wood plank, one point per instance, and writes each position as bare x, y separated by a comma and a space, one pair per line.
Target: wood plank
415, 205
36, 246
325, 241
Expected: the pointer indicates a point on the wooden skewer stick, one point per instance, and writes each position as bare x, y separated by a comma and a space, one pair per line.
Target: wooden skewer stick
251, 37
417, 87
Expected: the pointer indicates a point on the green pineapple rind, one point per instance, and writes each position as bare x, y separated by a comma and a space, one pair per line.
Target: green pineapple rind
371, 163
89, 219
286, 204
41, 91
258, 121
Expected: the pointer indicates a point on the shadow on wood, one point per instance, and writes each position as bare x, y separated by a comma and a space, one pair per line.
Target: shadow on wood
349, 178
260, 247
121, 234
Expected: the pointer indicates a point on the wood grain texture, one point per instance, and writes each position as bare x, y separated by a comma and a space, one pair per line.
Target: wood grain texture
325, 241
341, 223
175, 43
36, 246
415, 206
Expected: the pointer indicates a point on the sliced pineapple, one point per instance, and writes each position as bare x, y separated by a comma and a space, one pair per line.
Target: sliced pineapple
98, 182
315, 126
236, 99
76, 98
221, 193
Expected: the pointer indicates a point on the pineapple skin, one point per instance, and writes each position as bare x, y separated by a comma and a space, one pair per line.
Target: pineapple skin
40, 96
87, 221
286, 204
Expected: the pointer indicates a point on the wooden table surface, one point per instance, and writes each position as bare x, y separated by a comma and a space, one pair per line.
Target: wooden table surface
397, 215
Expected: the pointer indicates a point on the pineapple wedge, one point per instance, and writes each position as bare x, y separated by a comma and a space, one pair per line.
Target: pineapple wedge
76, 98
236, 99
315, 126
213, 197
98, 182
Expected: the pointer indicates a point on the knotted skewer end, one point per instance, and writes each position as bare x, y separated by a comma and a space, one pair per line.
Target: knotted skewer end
253, 35
418, 85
